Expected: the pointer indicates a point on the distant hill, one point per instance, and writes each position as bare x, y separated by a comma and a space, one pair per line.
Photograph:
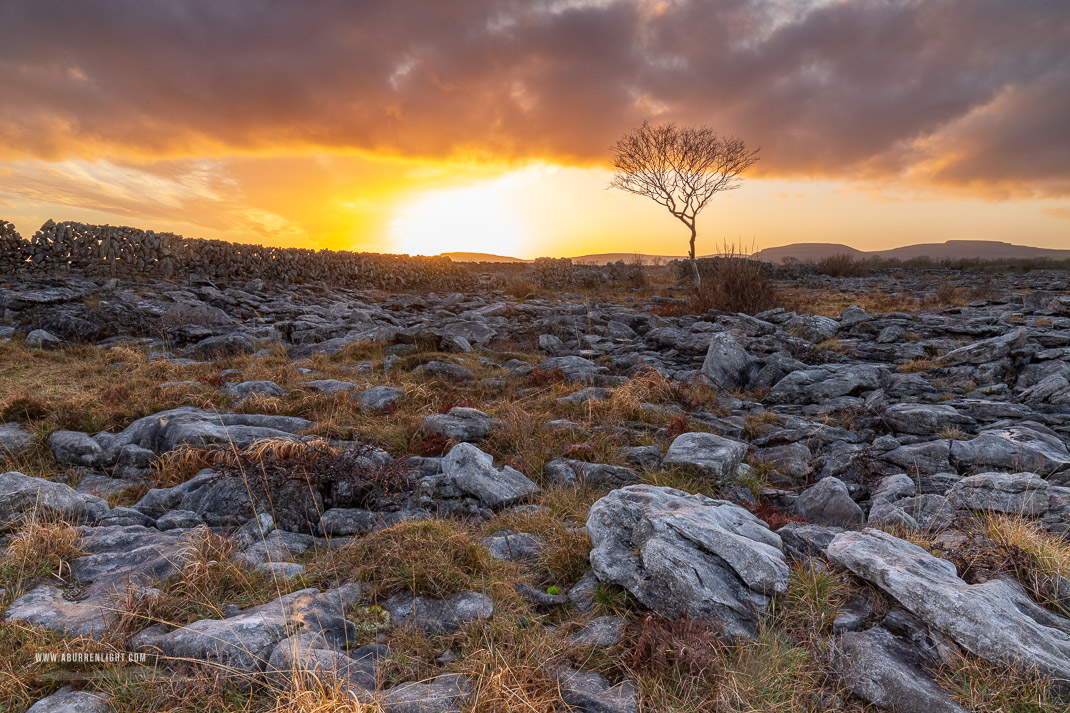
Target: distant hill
807, 252
480, 257
950, 250
812, 252
603, 258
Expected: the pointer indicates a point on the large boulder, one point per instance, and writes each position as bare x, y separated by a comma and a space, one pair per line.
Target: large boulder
727, 364
166, 430
712, 455
995, 620
680, 553
76, 448
473, 471
22, 496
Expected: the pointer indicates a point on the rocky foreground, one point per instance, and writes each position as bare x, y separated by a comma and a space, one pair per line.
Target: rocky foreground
451, 502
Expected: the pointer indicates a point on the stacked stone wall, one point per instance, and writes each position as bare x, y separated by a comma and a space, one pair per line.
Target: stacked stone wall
104, 250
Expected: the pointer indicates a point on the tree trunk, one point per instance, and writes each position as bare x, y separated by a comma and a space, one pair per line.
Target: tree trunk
694, 262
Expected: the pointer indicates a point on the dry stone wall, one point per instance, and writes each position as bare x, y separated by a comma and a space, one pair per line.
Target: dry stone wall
126, 252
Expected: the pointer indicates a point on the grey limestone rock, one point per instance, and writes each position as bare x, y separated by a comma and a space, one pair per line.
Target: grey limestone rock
995, 620
882, 669
24, 495
828, 502
687, 553
462, 424
439, 616
473, 471
713, 455
67, 700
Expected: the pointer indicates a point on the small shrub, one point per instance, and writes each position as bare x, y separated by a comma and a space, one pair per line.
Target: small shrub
740, 284
683, 645
840, 265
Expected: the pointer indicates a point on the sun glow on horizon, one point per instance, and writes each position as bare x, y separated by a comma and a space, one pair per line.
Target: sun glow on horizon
480, 218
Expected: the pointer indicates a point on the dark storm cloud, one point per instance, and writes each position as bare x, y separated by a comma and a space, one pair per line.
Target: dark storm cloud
976, 90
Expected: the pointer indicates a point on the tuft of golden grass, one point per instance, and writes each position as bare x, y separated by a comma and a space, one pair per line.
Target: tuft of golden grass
185, 461
811, 602
429, 557
648, 386
917, 365
1047, 557
43, 547
309, 692
210, 579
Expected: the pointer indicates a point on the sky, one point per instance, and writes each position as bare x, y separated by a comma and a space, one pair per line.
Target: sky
423, 126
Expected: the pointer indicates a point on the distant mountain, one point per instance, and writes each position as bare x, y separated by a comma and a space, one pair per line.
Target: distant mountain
480, 257
950, 250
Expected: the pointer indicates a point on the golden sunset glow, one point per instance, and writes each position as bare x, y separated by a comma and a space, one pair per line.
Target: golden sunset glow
425, 127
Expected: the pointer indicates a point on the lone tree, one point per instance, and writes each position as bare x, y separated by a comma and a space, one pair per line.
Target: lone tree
681, 168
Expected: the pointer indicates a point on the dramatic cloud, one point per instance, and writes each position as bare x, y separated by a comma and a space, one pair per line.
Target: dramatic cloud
971, 93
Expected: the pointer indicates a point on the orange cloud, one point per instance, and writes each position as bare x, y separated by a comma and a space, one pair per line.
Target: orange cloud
968, 93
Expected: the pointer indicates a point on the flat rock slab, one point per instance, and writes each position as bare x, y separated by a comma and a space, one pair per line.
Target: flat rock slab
883, 670
460, 424
24, 495
1014, 449
243, 643
439, 616
680, 553
1014, 493
66, 700
994, 620
448, 693
818, 384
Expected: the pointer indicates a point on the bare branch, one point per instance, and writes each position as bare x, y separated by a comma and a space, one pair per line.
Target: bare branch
680, 168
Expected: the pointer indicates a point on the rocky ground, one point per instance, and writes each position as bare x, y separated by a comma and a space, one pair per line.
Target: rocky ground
300, 499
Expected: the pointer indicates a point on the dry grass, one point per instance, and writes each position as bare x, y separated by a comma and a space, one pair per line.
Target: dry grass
915, 366
185, 461
24, 679
42, 548
985, 688
307, 692
811, 604
210, 578
1046, 556
739, 285
428, 557
188, 689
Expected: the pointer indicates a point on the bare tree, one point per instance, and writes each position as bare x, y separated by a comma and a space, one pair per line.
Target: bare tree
681, 168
